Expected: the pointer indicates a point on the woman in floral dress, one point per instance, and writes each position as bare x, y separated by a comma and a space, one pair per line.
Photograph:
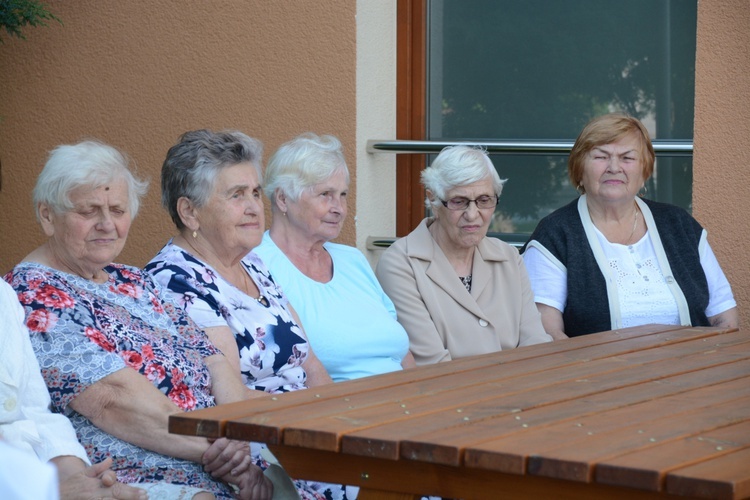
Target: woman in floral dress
211, 186
118, 359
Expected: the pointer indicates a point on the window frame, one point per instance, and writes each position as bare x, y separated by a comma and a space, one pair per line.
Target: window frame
411, 110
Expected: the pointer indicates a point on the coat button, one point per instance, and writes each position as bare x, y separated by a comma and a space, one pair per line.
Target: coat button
10, 404
669, 279
483, 322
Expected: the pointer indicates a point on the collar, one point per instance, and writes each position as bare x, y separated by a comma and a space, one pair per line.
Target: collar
422, 245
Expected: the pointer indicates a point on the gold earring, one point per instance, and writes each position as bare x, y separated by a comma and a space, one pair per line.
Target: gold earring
195, 234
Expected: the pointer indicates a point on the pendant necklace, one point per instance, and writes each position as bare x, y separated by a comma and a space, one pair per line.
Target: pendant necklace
635, 224
261, 299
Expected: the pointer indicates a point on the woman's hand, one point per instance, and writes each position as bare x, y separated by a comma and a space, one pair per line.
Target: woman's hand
98, 481
253, 484
126, 405
226, 457
229, 461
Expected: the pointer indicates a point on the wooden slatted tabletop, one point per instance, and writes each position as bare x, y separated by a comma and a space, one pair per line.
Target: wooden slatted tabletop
648, 412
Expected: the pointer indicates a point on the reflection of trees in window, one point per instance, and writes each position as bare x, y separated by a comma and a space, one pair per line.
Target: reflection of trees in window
540, 69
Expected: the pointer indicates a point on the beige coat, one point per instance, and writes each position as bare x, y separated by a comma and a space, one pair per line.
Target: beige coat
444, 321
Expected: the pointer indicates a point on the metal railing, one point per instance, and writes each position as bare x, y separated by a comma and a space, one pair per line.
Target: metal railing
662, 147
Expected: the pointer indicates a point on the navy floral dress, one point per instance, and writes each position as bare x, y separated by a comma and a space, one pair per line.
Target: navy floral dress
272, 346
83, 331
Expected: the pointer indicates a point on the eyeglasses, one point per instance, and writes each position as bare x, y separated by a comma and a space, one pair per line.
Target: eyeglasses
462, 203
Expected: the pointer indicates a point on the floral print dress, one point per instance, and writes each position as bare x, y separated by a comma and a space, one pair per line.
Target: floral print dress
83, 331
272, 346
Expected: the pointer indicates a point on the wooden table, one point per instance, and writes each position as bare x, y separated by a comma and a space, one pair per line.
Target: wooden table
647, 412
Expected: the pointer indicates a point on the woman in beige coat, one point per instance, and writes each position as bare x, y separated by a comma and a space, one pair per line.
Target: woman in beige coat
457, 292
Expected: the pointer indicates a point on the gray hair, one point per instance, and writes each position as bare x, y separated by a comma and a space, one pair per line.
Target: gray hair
458, 166
88, 163
302, 163
192, 165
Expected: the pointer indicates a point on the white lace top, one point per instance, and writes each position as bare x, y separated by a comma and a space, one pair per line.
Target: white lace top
644, 295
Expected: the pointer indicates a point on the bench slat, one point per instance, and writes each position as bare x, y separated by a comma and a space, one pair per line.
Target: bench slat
648, 471
727, 477
577, 458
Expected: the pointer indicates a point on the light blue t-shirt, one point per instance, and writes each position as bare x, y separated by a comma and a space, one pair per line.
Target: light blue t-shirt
349, 321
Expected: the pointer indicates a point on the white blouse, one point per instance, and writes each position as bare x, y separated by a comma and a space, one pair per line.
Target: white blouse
26, 421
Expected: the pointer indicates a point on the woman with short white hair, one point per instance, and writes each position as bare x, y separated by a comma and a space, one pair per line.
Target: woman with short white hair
458, 292
117, 358
348, 318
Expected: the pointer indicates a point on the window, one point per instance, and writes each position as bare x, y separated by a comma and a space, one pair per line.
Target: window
539, 70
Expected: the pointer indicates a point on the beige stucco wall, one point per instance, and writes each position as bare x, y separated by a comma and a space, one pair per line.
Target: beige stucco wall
721, 167
137, 74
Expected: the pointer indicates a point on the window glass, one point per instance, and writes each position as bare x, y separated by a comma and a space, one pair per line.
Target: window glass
540, 69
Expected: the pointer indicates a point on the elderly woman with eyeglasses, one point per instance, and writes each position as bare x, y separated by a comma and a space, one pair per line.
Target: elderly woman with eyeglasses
457, 292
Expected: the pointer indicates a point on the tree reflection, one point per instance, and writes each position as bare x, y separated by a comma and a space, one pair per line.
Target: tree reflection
541, 69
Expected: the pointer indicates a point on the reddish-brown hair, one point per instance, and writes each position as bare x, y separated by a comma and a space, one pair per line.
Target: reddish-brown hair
607, 129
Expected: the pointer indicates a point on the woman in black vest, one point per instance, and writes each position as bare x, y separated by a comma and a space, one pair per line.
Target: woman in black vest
611, 259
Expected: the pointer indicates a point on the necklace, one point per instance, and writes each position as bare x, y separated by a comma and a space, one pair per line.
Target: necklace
636, 213
245, 287
635, 224
261, 299
244, 279
195, 251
